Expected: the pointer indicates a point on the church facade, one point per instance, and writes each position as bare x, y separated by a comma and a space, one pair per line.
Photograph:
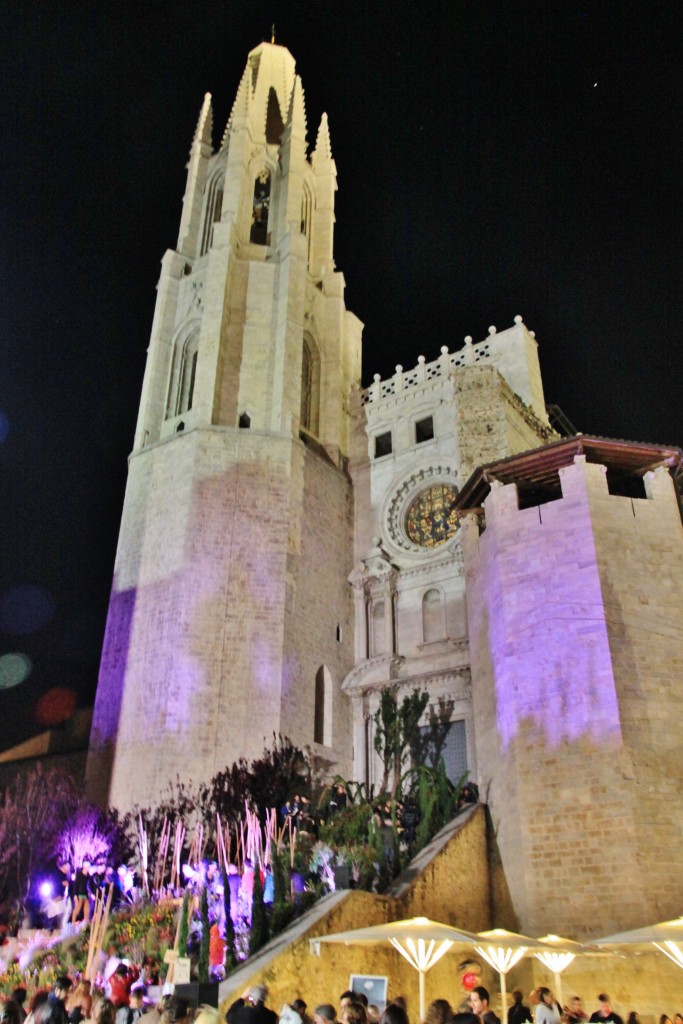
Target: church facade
292, 544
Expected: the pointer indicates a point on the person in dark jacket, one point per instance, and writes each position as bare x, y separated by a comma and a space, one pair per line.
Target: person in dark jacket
251, 1009
518, 1012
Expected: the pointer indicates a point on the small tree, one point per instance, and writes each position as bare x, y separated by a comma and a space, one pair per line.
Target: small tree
230, 959
203, 962
397, 733
410, 712
178, 803
33, 808
184, 929
86, 834
259, 933
282, 910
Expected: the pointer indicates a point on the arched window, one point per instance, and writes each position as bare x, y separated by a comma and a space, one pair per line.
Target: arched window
306, 211
433, 623
307, 217
183, 373
260, 209
212, 210
310, 385
274, 125
378, 629
188, 373
322, 719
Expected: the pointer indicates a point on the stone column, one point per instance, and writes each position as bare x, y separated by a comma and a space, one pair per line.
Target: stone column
360, 754
388, 596
361, 610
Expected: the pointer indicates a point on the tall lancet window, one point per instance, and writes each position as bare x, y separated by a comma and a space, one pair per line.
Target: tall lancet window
274, 125
188, 373
181, 389
310, 385
260, 209
307, 217
212, 211
322, 716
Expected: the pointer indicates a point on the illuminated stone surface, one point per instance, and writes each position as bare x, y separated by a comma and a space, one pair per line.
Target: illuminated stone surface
264, 541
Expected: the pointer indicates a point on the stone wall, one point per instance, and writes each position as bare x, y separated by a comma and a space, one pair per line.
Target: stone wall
492, 422
559, 752
223, 608
452, 882
319, 605
448, 882
639, 551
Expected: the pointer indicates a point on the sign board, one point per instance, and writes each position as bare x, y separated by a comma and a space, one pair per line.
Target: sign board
181, 972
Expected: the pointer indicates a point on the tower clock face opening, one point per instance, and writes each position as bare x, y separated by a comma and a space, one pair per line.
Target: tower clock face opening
432, 519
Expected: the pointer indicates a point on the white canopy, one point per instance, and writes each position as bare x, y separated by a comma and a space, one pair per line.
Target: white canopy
420, 941
667, 937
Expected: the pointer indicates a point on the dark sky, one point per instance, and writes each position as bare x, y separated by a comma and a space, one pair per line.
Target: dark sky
494, 158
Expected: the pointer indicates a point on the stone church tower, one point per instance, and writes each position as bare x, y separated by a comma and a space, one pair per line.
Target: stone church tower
230, 619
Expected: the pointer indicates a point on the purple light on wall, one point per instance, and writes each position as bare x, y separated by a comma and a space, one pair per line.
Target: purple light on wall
542, 616
559, 684
117, 639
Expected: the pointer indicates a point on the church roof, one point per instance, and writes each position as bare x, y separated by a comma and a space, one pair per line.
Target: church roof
536, 471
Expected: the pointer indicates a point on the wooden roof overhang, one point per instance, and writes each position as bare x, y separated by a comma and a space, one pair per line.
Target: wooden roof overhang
537, 470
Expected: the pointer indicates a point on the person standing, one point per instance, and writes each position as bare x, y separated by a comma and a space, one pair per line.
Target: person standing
81, 893
605, 1014
518, 1012
547, 1011
479, 1001
575, 1011
252, 1009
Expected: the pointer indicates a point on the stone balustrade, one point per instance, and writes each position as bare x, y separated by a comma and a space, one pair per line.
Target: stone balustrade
424, 372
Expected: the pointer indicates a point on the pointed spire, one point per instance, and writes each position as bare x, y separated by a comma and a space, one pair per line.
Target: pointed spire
242, 105
296, 115
323, 148
204, 127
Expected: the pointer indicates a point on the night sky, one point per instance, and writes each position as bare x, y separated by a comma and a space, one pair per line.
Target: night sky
493, 159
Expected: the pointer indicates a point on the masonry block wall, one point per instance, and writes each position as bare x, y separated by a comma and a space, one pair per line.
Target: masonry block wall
492, 421
216, 589
639, 550
567, 694
318, 631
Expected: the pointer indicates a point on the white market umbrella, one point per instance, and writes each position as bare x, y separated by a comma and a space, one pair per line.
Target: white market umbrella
420, 941
557, 957
502, 950
667, 937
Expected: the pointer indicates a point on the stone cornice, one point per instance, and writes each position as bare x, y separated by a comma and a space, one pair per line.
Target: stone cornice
368, 678
373, 666
455, 559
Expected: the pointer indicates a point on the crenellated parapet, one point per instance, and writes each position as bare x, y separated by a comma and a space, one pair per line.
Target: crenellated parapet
512, 351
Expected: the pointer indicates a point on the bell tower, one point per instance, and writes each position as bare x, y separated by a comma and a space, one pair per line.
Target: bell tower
230, 616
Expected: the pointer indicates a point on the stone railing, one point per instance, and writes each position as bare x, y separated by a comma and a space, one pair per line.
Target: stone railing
424, 372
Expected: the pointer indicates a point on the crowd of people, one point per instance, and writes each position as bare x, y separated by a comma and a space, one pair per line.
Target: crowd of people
69, 897
123, 999
544, 1008
66, 894
402, 815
